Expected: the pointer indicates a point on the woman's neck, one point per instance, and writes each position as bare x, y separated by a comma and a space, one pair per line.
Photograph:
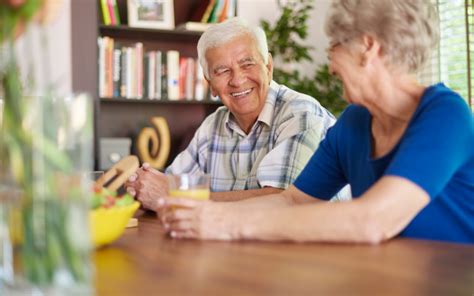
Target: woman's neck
395, 103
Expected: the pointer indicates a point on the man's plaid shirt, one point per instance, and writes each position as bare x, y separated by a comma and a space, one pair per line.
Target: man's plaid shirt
273, 153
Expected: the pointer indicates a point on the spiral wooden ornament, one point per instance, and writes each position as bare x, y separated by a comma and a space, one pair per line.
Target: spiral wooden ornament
153, 143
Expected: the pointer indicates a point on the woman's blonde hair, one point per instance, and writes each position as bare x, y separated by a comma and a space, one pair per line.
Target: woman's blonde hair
407, 29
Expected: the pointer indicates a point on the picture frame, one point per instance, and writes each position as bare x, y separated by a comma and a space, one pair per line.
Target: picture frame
154, 14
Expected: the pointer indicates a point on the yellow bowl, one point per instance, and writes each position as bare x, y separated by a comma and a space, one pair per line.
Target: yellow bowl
107, 225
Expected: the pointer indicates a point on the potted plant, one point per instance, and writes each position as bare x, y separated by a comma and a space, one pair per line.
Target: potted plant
286, 43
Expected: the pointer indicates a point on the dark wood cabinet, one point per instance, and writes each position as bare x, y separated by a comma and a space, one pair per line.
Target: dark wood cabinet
119, 117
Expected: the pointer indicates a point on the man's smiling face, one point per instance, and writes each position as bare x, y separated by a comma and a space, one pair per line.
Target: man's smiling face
239, 76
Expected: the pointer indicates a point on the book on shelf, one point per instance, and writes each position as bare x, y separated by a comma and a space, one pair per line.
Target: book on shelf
222, 15
109, 74
189, 79
104, 7
110, 9
106, 47
139, 70
123, 72
232, 10
116, 69
182, 78
149, 78
213, 16
199, 11
158, 73
101, 75
172, 57
207, 12
130, 90
110, 12
164, 75
115, 12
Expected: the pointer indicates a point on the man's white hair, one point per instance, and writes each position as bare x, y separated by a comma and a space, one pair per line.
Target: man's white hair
224, 32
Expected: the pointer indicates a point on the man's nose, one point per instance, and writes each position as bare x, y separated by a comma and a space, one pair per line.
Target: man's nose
237, 79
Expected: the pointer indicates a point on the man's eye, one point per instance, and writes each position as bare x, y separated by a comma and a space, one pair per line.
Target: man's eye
247, 65
223, 71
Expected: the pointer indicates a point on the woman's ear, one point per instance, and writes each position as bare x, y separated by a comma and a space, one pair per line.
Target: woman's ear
371, 49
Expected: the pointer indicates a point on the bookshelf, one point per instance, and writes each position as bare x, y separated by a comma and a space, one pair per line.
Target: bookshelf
143, 34
118, 100
125, 117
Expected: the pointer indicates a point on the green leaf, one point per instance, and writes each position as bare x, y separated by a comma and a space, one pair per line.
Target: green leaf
286, 40
10, 17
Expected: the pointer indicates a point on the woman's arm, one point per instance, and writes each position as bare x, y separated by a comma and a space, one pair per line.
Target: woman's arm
183, 217
380, 214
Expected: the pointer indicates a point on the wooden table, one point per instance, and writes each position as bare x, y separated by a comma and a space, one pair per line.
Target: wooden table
144, 261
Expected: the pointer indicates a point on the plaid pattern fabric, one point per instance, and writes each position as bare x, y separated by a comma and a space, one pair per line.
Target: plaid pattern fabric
285, 135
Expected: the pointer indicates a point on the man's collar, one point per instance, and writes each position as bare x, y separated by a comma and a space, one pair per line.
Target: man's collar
266, 115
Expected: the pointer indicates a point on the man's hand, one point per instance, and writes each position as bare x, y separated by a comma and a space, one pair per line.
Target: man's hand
188, 218
147, 185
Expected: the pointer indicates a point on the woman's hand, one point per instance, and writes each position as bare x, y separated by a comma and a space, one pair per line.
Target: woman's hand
147, 185
188, 218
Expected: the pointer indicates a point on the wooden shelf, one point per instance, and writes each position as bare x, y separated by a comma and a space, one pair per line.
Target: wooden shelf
167, 102
121, 117
126, 32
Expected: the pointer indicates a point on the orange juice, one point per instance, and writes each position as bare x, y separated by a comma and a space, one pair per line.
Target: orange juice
197, 194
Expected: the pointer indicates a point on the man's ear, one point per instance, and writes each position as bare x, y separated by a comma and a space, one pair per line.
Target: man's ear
270, 66
371, 49
213, 92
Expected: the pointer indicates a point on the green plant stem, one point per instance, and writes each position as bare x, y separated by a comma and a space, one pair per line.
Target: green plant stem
46, 246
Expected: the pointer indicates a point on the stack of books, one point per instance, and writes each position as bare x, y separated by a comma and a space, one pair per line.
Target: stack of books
209, 12
130, 72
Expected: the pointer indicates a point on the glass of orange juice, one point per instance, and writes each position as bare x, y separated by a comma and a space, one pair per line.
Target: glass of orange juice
194, 186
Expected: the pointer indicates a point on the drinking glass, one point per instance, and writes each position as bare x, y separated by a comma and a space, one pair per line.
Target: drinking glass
194, 186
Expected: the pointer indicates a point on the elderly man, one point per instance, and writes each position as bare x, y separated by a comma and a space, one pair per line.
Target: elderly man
260, 140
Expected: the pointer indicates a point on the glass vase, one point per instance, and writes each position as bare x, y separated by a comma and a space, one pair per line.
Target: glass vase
44, 232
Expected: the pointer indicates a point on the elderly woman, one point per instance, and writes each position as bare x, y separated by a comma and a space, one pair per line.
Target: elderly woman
405, 149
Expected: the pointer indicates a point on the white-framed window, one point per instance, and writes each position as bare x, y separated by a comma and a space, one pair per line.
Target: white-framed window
453, 61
